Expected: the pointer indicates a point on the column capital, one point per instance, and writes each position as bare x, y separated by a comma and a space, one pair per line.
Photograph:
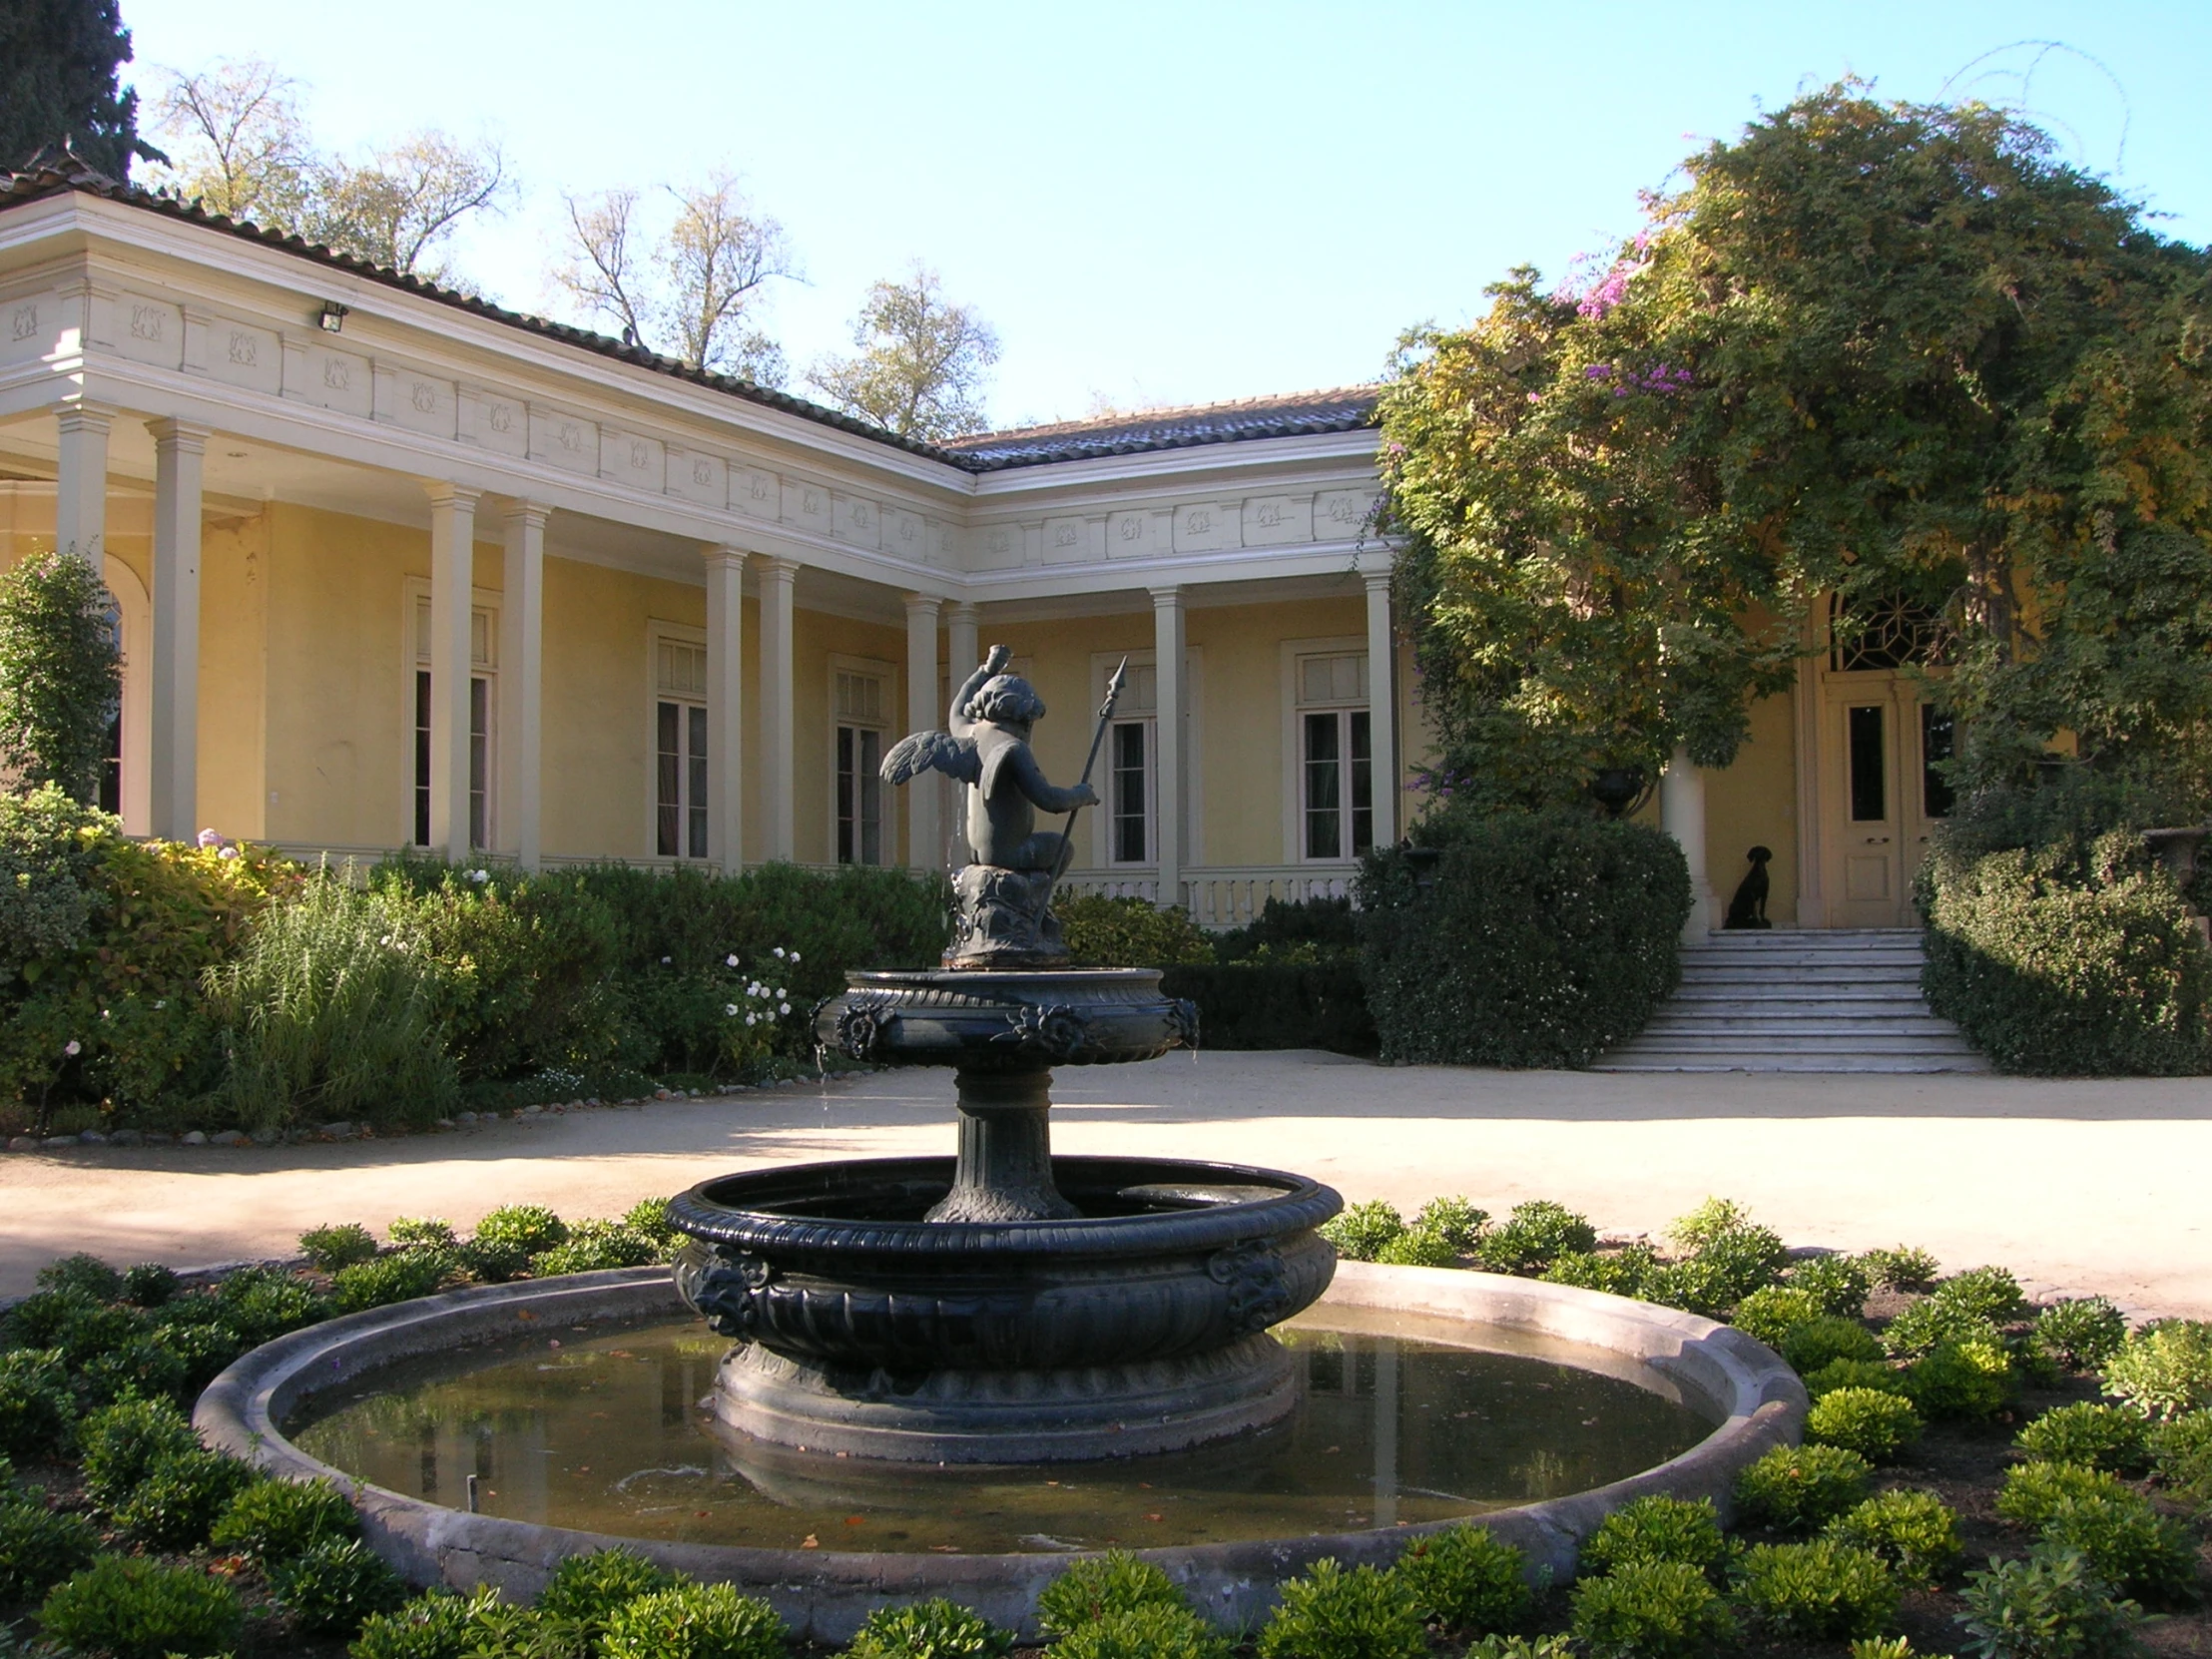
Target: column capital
775, 568
963, 610
518, 511
444, 494
1168, 597
1377, 581
83, 415
180, 434
921, 605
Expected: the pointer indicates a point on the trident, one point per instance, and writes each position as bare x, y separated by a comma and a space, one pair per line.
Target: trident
1105, 714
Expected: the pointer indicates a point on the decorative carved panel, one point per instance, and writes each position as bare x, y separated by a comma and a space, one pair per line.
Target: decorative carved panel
565, 441
756, 493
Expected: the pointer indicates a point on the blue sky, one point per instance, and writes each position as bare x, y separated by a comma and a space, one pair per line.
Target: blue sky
1172, 202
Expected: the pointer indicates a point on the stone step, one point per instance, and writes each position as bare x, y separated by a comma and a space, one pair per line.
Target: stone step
1858, 1018
1820, 1042
1796, 990
1812, 939
1802, 959
1713, 1060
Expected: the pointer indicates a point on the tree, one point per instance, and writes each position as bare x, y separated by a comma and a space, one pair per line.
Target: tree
922, 365
688, 291
1871, 349
58, 63
61, 674
236, 141
402, 203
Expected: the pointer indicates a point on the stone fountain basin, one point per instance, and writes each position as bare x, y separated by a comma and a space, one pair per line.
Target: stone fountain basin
1753, 1398
987, 1021
833, 1263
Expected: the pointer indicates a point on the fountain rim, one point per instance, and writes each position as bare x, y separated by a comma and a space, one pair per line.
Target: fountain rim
1299, 1205
824, 1595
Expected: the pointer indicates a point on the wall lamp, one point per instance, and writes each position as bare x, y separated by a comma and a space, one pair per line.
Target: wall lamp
333, 317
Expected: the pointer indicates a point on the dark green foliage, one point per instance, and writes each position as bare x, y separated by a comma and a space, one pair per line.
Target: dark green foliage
1657, 1528
529, 1227
1250, 1005
181, 1498
1534, 1236
1730, 1258
2080, 1332
1917, 1532
492, 1260
1152, 1632
1098, 1586
649, 1217
38, 1547
587, 1589
1822, 1590
1129, 932
1841, 1283
1852, 1374
1992, 1294
1822, 1341
2110, 1437
61, 670
695, 1621
1931, 1322
333, 1584
1522, 1647
39, 1320
258, 1304
1650, 1610
139, 1609
1904, 1269
1871, 1422
36, 1407
2032, 1493
148, 1285
58, 85
273, 1520
121, 1443
338, 1246
421, 1232
2164, 1369
593, 1245
1969, 1382
1333, 1614
2128, 1544
1469, 1580
1802, 1488
1628, 1271
1418, 1248
400, 1277
2058, 942
2051, 1607
434, 1625
1453, 1219
934, 1629
1542, 941
2181, 1452
1307, 930
1360, 1231
82, 1272
1772, 1312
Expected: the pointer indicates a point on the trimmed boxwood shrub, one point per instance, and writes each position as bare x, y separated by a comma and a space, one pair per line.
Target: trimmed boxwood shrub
1871, 1422
400, 1277
1100, 1585
2057, 941
38, 1547
1534, 1236
36, 1406
276, 1519
695, 1621
1361, 1232
2112, 1438
139, 1609
435, 1625
1770, 1313
2080, 1332
932, 1629
1917, 1532
1853, 1373
2128, 1544
1247, 1005
1816, 1591
2181, 1452
334, 1585
2164, 1369
1469, 1580
182, 1497
1333, 1614
2032, 1493
587, 1589
1822, 1341
1650, 1610
1969, 1382
1152, 1632
121, 1443
1542, 939
1840, 1282
1801, 1488
1657, 1528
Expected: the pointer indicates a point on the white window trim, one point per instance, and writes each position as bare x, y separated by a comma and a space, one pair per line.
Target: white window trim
894, 678
1294, 752
487, 600
1099, 843
675, 633
136, 612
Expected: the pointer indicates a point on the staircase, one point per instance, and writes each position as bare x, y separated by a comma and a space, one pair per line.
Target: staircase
1835, 999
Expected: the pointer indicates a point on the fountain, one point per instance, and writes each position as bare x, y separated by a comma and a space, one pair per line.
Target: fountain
949, 1373
1003, 1305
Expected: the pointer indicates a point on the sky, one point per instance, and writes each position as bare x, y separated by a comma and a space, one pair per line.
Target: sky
1194, 202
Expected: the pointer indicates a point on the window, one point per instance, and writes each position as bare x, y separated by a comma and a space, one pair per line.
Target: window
1132, 747
1870, 766
1881, 632
680, 748
1938, 741
482, 630
861, 700
1335, 757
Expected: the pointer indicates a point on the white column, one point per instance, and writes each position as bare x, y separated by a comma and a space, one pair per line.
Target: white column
180, 453
962, 623
726, 707
81, 480
1382, 708
452, 595
1167, 651
1682, 815
522, 681
925, 840
775, 704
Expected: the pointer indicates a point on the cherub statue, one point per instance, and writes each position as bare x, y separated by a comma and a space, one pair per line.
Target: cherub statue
1005, 918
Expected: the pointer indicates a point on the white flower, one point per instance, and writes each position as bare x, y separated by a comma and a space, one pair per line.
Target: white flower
729, 1008
795, 955
730, 961
73, 1046
160, 1002
783, 1008
664, 962
104, 1013
779, 991
227, 853
778, 950
750, 1018
479, 876
753, 989
209, 837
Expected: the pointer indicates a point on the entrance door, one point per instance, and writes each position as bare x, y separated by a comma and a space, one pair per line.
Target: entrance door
1880, 743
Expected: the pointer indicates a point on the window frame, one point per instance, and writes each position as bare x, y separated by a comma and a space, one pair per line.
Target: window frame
891, 679
1097, 842
414, 656
658, 632
1295, 709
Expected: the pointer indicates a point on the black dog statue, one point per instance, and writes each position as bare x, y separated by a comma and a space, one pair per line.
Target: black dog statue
1749, 907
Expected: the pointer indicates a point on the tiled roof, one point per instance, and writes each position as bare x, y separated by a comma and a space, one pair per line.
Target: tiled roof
1267, 417
1341, 409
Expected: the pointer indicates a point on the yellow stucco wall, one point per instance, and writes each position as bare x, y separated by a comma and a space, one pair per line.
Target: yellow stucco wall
1754, 803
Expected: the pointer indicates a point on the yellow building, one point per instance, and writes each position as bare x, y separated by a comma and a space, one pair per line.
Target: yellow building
397, 567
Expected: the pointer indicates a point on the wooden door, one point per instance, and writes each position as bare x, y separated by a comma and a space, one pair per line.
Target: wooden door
1881, 743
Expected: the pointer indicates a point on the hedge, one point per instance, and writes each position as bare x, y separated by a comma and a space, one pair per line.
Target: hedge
1538, 940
